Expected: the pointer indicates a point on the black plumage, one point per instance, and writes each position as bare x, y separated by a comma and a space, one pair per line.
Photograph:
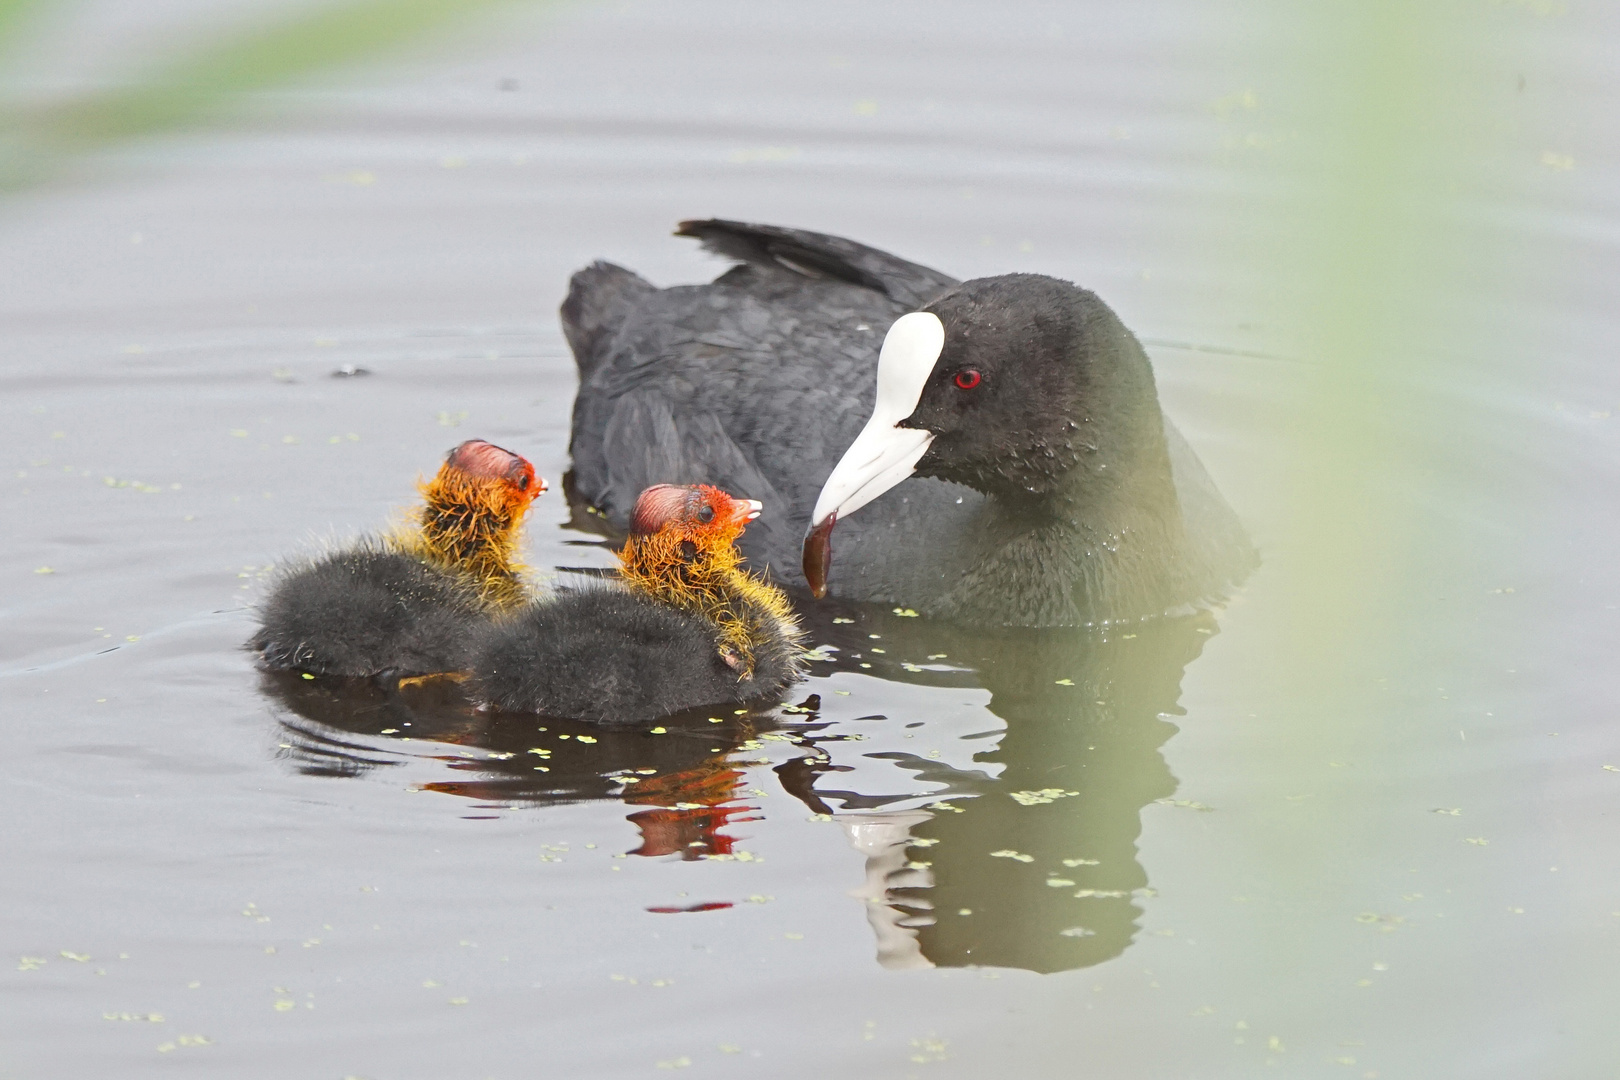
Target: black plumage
408, 601
1060, 495
366, 610
608, 656
685, 626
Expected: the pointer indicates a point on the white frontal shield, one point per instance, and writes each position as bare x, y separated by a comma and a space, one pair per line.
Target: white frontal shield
882, 455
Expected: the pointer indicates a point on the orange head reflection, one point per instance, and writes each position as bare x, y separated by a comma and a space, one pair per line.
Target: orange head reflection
691, 808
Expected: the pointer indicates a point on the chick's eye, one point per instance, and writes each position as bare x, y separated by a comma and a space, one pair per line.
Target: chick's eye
523, 483
966, 379
706, 513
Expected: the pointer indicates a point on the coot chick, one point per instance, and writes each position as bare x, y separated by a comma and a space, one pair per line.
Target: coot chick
409, 600
1035, 480
687, 626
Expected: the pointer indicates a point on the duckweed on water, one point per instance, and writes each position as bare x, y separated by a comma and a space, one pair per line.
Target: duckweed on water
1008, 853
1037, 798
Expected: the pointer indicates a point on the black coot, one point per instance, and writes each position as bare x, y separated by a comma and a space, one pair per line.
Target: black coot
686, 628
1035, 480
408, 601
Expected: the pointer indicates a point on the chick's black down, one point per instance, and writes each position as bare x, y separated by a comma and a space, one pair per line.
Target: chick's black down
368, 610
608, 656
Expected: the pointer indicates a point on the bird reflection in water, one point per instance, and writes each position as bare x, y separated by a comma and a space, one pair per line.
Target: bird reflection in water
681, 772
1035, 866
686, 811
1027, 860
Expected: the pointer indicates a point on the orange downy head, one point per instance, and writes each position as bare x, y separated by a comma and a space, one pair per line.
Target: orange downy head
478, 460
703, 514
682, 551
472, 513
682, 542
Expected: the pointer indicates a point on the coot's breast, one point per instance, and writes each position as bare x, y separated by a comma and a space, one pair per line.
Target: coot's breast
1217, 543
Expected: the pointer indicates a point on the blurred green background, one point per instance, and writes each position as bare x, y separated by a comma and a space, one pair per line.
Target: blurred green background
205, 82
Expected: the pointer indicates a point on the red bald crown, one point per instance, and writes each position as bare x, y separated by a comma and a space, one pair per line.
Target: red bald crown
697, 508
658, 506
485, 461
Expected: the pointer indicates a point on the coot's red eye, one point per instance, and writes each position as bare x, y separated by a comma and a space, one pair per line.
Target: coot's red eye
967, 379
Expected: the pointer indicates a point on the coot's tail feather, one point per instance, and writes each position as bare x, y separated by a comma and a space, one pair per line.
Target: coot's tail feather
818, 255
600, 298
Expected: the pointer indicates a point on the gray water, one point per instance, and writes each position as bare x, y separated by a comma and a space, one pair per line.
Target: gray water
1157, 852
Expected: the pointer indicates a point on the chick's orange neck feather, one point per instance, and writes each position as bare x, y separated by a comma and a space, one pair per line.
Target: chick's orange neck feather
471, 523
696, 568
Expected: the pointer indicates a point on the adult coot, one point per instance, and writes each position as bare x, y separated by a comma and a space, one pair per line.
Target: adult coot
1035, 481
407, 601
687, 627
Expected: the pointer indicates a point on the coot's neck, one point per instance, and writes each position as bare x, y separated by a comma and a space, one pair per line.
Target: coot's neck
472, 526
747, 613
1104, 542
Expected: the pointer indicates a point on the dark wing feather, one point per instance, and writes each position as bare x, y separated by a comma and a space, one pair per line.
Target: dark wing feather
818, 255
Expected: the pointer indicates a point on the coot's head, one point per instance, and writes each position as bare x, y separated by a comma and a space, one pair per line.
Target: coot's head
1005, 384
485, 465
698, 513
682, 552
472, 511
683, 541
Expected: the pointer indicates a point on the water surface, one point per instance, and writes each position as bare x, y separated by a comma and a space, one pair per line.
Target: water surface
1170, 850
